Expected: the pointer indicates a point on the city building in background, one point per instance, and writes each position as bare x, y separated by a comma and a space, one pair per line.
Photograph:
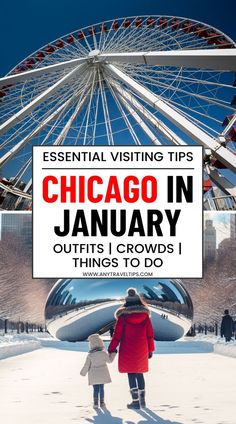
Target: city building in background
210, 240
233, 226
17, 224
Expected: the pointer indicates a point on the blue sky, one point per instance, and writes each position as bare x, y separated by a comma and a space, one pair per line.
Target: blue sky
26, 25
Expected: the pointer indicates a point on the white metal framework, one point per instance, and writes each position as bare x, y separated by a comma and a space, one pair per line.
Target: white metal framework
136, 80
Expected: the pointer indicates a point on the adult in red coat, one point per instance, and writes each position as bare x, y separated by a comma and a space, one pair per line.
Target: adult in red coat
134, 333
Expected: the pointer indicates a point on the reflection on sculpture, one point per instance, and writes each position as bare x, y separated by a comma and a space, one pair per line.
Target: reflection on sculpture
76, 308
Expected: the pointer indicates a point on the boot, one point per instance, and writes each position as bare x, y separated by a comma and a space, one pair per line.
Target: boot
142, 398
95, 403
102, 403
135, 402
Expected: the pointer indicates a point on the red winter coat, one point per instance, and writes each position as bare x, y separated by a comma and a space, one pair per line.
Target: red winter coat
134, 333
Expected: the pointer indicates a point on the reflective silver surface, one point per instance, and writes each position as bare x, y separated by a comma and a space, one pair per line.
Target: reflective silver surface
76, 308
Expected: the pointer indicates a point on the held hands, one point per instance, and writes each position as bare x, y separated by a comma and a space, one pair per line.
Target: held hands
149, 355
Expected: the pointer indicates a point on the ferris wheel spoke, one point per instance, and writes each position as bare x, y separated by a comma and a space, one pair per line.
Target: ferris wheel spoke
189, 78
212, 59
76, 48
22, 100
188, 96
105, 110
117, 36
144, 37
187, 126
107, 37
39, 99
102, 38
150, 41
191, 94
140, 121
195, 81
173, 136
81, 128
147, 35
36, 131
125, 37
152, 119
12, 79
186, 112
76, 103
130, 36
136, 34
96, 115
125, 117
27, 125
90, 94
61, 137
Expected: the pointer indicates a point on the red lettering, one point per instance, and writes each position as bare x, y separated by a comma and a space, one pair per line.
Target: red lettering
81, 189
153, 189
46, 197
71, 189
113, 191
131, 195
91, 197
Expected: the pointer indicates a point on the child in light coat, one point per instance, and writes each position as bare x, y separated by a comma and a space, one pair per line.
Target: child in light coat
97, 369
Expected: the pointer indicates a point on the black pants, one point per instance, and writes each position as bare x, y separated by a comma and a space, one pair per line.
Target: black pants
136, 380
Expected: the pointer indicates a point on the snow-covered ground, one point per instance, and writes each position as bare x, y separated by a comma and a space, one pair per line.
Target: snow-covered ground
13, 344
187, 383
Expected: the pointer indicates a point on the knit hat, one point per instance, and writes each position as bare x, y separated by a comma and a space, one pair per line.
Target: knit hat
132, 295
95, 341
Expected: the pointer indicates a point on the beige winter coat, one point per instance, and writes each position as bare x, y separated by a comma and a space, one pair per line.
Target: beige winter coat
96, 367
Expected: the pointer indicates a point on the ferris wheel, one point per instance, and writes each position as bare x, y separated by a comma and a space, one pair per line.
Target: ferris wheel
134, 80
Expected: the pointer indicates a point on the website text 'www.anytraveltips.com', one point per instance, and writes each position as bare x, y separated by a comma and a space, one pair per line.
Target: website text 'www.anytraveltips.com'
110, 274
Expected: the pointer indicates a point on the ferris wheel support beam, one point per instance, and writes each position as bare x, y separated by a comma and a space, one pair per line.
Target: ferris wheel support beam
140, 121
229, 126
37, 101
152, 119
10, 154
16, 191
222, 59
221, 181
27, 75
26, 189
218, 151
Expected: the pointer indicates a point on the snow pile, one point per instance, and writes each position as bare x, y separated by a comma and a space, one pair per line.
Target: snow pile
227, 349
219, 345
208, 338
11, 345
